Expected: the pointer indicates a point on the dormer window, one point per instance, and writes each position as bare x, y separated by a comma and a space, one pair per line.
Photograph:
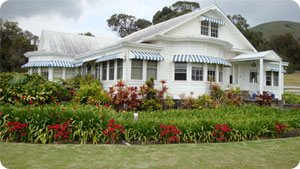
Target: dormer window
204, 28
214, 30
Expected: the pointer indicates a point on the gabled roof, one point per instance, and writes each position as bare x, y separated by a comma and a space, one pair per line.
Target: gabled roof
67, 43
267, 55
163, 26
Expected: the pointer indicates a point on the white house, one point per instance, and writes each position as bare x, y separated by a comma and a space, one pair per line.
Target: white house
184, 51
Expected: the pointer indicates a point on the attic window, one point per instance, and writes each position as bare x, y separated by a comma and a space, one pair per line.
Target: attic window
204, 27
214, 30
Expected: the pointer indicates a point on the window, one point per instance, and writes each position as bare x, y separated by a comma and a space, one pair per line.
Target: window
69, 73
214, 30
45, 73
197, 72
57, 73
88, 68
253, 76
275, 78
152, 69
34, 70
119, 69
204, 27
230, 79
211, 73
104, 70
269, 78
111, 70
98, 70
137, 69
221, 74
180, 71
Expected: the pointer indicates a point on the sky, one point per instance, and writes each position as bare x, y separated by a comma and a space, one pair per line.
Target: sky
78, 16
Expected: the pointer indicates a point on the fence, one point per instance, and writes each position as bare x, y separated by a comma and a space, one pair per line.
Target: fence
292, 89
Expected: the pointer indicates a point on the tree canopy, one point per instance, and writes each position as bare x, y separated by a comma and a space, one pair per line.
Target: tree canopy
177, 9
14, 44
87, 34
126, 24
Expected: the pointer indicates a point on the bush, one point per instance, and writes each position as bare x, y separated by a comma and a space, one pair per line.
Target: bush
92, 93
291, 98
264, 100
23, 88
87, 122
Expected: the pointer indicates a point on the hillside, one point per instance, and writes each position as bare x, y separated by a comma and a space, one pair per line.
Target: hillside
279, 27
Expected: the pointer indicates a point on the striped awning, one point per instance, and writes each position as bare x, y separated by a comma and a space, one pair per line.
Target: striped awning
78, 64
213, 20
119, 55
48, 64
200, 59
146, 56
275, 69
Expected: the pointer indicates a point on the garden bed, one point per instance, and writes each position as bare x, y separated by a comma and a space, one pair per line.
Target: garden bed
86, 123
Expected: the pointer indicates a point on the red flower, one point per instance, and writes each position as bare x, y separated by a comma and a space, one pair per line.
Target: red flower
63, 109
52, 97
51, 114
56, 103
77, 100
31, 102
296, 107
67, 132
69, 121
221, 132
74, 108
65, 124
23, 97
112, 121
105, 132
97, 105
23, 134
28, 109
66, 136
91, 101
16, 99
214, 133
58, 114
0, 112
106, 105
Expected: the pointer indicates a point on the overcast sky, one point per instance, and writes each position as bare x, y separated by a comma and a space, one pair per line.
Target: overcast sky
75, 16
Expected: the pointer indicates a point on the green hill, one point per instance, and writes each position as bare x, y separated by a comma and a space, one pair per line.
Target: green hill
279, 28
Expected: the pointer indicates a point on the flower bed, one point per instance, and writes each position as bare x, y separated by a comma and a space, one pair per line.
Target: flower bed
80, 123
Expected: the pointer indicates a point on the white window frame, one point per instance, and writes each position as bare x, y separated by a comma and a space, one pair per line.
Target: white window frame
180, 68
136, 67
204, 28
148, 76
214, 30
194, 75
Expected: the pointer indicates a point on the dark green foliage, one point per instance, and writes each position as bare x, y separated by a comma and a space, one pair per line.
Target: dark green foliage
87, 34
126, 24
177, 9
14, 43
92, 93
21, 88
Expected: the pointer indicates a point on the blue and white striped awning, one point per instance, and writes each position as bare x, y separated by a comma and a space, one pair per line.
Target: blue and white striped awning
78, 64
213, 20
48, 64
119, 55
146, 56
275, 69
200, 59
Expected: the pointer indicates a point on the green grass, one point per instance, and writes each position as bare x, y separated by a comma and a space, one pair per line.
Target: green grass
279, 28
292, 79
275, 153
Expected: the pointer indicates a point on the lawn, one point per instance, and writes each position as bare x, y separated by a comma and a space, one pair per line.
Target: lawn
273, 153
292, 79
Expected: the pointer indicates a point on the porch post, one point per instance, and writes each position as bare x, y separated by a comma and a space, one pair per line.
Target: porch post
261, 79
50, 69
64, 73
280, 80
217, 73
204, 72
233, 75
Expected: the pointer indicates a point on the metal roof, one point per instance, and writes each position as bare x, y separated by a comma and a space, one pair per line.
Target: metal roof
67, 43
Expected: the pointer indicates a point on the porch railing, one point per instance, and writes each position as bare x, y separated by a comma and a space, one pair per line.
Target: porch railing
292, 89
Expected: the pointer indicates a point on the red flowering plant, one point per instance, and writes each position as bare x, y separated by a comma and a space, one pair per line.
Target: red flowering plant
16, 128
169, 133
221, 132
113, 131
280, 128
61, 131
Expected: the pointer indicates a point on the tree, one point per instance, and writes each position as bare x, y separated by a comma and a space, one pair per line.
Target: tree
255, 38
14, 44
126, 24
288, 48
177, 9
87, 34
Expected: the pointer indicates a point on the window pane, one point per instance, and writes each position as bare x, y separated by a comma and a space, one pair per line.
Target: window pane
45, 72
137, 69
221, 77
180, 71
253, 76
104, 70
275, 76
197, 73
214, 30
57, 73
204, 28
111, 70
268, 78
120, 69
152, 69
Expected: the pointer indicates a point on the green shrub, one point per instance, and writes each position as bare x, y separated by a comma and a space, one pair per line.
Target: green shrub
291, 98
92, 93
88, 121
23, 88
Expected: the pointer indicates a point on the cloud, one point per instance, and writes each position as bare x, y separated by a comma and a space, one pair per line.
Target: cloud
12, 9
